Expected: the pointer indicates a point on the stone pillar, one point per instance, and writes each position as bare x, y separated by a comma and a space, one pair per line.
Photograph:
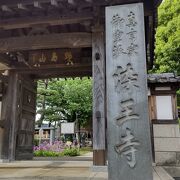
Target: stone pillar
98, 59
129, 148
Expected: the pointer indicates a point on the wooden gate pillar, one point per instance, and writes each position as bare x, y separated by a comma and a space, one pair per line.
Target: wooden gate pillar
99, 125
18, 117
9, 117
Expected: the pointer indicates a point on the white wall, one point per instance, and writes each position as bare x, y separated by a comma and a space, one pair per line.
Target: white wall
164, 107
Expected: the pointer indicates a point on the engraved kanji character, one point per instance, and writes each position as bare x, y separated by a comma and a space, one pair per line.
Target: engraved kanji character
117, 36
117, 50
117, 21
54, 57
127, 148
132, 35
132, 49
42, 59
125, 79
35, 60
127, 112
68, 57
131, 20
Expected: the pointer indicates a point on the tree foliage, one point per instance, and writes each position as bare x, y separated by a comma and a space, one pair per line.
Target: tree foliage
167, 51
167, 47
65, 99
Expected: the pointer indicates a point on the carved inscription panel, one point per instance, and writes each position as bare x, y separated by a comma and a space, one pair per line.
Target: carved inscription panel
127, 109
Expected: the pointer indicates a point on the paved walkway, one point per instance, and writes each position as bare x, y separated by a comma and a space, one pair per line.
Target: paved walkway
61, 170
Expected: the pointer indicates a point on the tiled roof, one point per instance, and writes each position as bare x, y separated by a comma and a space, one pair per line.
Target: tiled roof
163, 78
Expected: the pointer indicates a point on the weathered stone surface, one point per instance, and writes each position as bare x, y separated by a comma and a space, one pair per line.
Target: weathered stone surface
173, 171
129, 150
165, 158
166, 130
163, 175
167, 144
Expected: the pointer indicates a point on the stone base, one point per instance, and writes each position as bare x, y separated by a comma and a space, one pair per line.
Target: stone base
165, 158
99, 169
4, 161
166, 144
173, 171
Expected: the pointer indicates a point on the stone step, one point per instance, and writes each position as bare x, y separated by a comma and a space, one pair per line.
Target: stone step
161, 174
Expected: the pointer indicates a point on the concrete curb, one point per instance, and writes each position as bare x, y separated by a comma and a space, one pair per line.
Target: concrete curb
99, 169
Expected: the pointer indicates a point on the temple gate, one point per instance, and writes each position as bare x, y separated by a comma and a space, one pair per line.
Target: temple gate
62, 38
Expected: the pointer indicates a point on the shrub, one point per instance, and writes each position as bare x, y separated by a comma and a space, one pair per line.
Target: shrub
71, 152
42, 153
58, 148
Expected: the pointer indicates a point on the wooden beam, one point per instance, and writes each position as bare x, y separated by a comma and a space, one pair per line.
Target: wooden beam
99, 91
50, 69
64, 40
21, 58
52, 20
72, 2
59, 71
11, 3
37, 4
63, 75
56, 57
54, 3
5, 8
25, 2
30, 2
89, 1
4, 59
21, 6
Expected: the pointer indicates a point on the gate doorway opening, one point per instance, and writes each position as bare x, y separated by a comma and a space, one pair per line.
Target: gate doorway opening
63, 124
20, 90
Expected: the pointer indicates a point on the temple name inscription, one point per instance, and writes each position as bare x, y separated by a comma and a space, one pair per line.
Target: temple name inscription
128, 127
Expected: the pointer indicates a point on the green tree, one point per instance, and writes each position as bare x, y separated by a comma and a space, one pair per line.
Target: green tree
44, 93
78, 95
167, 51
65, 99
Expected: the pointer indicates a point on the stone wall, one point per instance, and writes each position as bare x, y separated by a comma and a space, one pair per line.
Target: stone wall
166, 144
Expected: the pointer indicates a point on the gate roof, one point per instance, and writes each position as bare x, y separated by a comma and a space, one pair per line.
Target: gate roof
30, 25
